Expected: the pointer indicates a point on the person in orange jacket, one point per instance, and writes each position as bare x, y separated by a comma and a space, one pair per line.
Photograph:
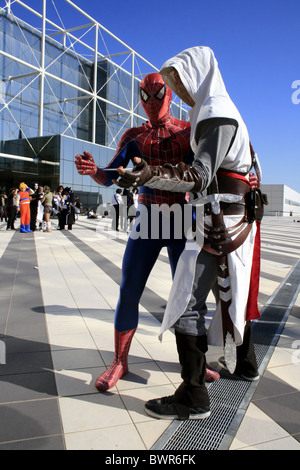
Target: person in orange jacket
25, 193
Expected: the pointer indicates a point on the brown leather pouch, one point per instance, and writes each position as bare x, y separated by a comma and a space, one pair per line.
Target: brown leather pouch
255, 202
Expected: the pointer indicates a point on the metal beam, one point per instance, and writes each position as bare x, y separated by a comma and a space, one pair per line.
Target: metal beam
28, 159
42, 77
71, 29
94, 120
59, 28
18, 157
72, 85
17, 77
109, 33
132, 90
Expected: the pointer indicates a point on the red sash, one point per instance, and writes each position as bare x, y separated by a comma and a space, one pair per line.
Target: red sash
252, 307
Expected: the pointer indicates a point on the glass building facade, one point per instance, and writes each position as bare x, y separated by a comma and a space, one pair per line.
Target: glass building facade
55, 103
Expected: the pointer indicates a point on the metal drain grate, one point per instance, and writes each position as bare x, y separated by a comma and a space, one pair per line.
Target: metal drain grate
208, 434
230, 397
226, 397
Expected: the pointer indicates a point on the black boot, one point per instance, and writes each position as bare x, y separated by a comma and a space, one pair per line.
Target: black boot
246, 359
191, 400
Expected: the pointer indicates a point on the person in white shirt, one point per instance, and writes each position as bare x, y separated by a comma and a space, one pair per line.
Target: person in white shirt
117, 201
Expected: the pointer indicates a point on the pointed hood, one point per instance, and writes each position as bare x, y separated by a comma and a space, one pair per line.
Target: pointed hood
200, 74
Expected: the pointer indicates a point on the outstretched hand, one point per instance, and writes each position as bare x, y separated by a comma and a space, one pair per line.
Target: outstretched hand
140, 174
85, 164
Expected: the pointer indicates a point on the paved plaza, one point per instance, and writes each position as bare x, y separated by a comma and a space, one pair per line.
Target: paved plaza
57, 299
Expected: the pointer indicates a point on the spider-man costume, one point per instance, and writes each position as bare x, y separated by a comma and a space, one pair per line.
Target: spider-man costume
164, 139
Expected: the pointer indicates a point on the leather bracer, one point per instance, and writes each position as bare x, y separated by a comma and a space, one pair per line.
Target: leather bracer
180, 178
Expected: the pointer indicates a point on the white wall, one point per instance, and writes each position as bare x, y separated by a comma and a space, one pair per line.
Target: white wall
283, 201
291, 201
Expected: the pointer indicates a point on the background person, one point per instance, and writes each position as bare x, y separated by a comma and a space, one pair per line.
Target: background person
11, 208
24, 194
48, 207
67, 215
3, 199
117, 205
34, 204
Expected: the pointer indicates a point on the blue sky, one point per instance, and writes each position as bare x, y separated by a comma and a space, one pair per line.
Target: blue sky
257, 45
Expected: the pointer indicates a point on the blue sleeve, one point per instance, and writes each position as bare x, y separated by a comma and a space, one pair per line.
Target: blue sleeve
123, 158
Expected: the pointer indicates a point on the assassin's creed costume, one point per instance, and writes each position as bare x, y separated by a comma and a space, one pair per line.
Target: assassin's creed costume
164, 139
228, 259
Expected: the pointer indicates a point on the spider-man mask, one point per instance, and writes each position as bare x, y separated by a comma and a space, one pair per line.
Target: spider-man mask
156, 98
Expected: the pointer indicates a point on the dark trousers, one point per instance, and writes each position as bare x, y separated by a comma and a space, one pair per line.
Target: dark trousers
192, 392
3, 213
11, 213
66, 217
246, 359
115, 216
33, 217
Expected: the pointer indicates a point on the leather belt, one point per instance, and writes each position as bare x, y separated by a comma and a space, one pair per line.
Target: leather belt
227, 208
219, 241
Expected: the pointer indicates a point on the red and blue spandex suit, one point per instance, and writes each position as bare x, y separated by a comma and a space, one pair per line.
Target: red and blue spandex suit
163, 139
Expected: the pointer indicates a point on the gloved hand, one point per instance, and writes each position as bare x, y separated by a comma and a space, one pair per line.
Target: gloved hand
141, 173
85, 164
253, 180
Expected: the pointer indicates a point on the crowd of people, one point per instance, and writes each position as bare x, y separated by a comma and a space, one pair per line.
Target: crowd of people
37, 206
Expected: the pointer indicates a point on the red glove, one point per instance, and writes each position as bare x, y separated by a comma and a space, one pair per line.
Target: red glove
85, 164
253, 180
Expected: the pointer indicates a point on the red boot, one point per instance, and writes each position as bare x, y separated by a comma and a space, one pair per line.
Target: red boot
211, 374
119, 367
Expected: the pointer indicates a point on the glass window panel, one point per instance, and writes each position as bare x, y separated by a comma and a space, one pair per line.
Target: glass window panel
77, 178
68, 151
68, 171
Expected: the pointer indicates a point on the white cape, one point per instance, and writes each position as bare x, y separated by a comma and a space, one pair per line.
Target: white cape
199, 73
239, 264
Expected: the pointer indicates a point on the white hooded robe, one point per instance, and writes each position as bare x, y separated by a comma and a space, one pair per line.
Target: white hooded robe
199, 73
